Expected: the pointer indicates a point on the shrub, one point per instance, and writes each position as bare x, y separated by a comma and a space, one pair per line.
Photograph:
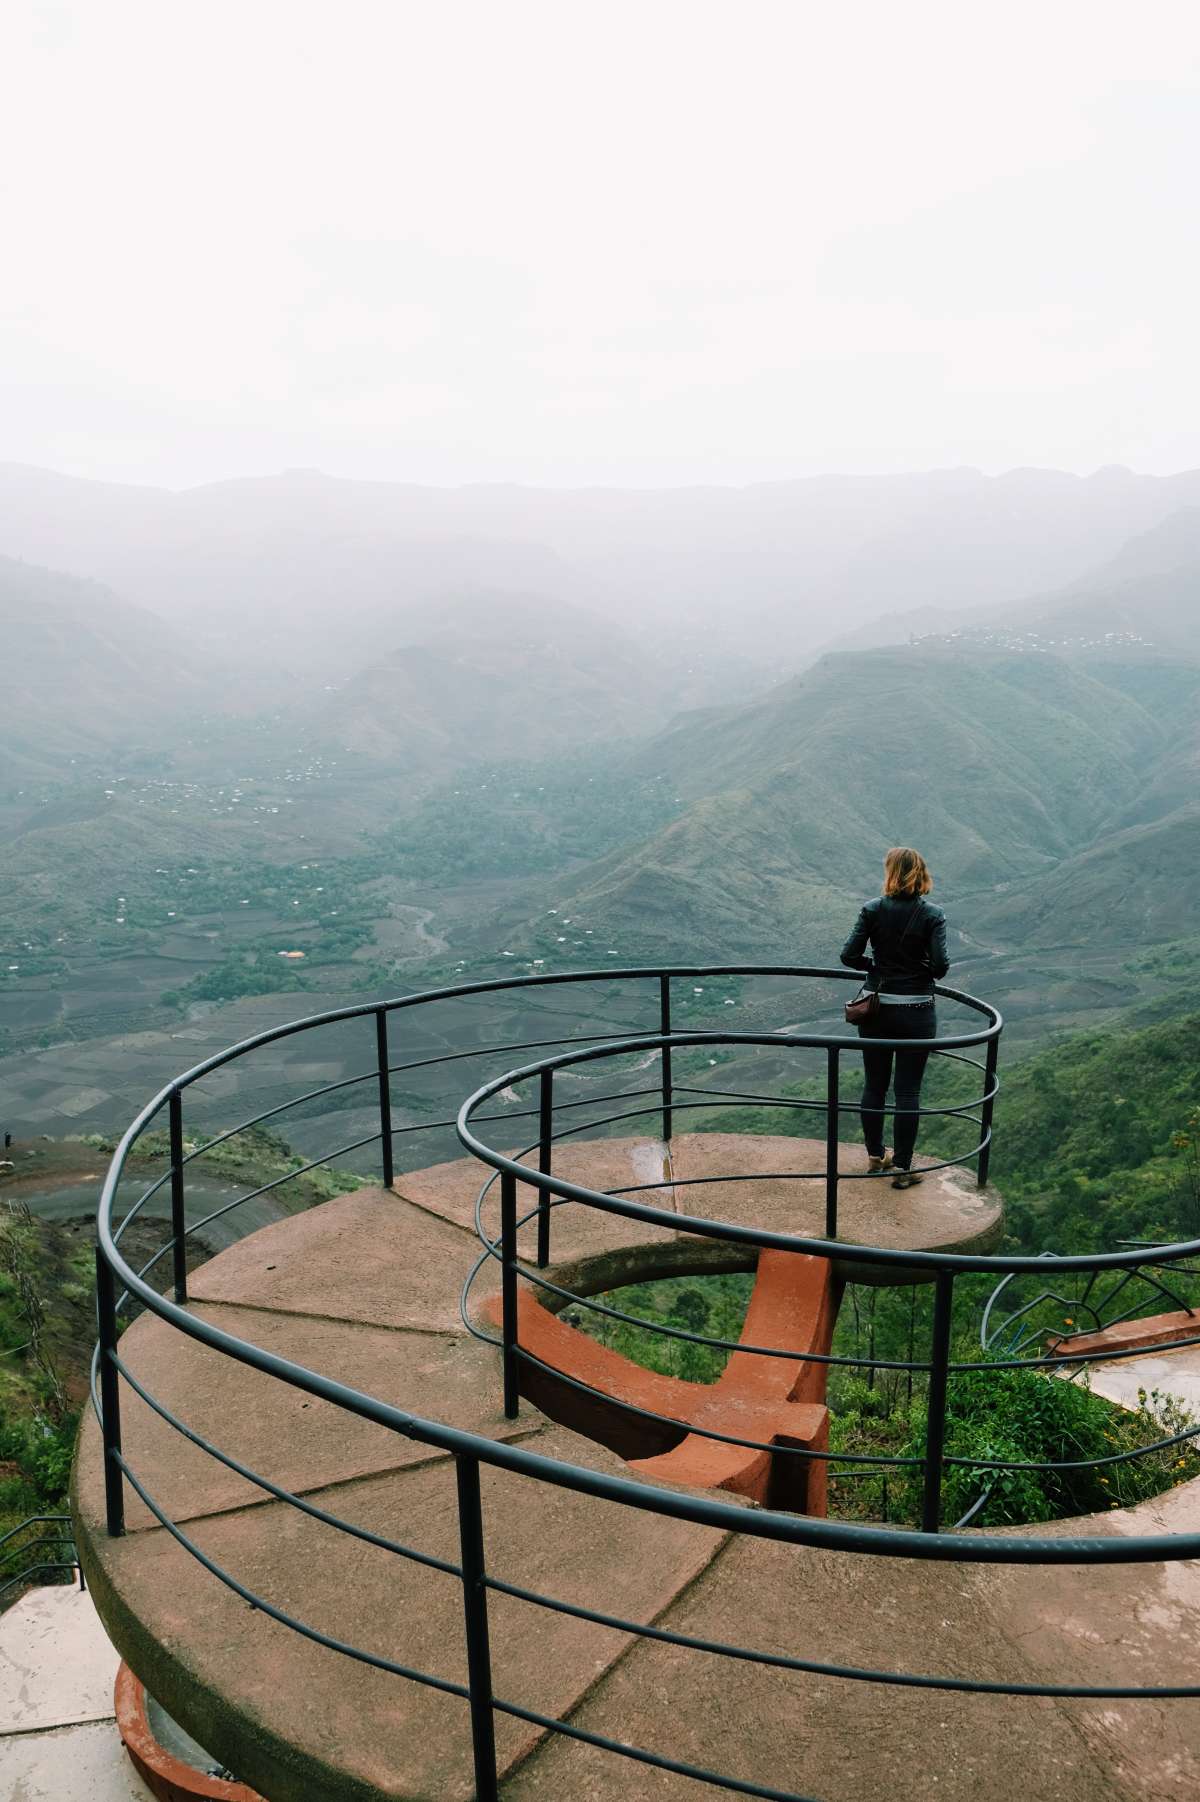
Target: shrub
1031, 1418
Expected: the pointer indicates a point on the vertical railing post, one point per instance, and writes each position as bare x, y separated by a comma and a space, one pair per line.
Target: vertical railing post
545, 1155
508, 1291
664, 1019
935, 1428
475, 1610
178, 1217
385, 1096
832, 1117
989, 1084
110, 1400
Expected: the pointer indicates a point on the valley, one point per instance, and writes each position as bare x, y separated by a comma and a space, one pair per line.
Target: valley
514, 773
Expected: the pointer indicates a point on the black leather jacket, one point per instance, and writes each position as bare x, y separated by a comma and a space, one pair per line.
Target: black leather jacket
908, 942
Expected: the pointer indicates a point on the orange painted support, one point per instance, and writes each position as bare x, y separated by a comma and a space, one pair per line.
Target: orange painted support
777, 1401
166, 1776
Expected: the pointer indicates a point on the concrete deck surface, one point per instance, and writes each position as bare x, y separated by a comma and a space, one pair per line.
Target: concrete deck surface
365, 1288
944, 1212
58, 1734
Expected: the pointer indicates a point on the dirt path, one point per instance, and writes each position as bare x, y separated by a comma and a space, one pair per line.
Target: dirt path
431, 944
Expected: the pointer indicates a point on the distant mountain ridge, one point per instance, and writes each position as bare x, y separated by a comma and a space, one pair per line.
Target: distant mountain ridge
84, 670
310, 566
497, 675
488, 675
1173, 544
1151, 586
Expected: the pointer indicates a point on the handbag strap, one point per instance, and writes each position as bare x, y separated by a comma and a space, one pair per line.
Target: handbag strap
912, 916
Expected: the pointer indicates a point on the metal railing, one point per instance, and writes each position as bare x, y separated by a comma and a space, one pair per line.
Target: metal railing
55, 1537
941, 1269
118, 1285
1096, 1302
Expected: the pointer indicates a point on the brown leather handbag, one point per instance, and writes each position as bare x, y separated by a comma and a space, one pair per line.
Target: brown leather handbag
864, 1006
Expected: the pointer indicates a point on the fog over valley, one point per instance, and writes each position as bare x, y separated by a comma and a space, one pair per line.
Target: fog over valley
282, 744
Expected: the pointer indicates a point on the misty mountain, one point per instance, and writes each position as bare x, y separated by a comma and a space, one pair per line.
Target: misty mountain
496, 675
85, 671
1150, 588
1173, 544
1004, 766
311, 570
486, 675
277, 568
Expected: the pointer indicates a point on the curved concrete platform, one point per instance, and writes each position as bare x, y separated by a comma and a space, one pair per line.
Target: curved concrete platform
365, 1289
945, 1212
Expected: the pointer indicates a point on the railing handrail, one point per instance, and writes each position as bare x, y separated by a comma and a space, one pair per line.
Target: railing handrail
492, 985
761, 1523
34, 1520
39, 1542
705, 1226
832, 1535
470, 1449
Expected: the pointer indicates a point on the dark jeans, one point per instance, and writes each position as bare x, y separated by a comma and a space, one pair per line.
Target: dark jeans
895, 1023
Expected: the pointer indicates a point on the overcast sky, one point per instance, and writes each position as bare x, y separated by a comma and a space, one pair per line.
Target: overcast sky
592, 241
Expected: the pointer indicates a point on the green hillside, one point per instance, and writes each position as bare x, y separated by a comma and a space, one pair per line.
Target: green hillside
492, 675
1002, 765
1135, 887
1096, 1138
85, 672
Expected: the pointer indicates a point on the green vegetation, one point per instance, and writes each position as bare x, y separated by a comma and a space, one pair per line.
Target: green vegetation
1095, 1139
1014, 1416
252, 972
252, 1157
713, 1306
45, 1313
47, 1306
1020, 1417
519, 819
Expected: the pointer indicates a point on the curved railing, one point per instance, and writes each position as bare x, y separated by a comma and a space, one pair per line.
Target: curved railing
1118, 1274
119, 1285
51, 1549
1098, 1300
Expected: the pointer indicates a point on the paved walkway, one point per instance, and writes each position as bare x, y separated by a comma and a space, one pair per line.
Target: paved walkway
1175, 1374
58, 1734
365, 1289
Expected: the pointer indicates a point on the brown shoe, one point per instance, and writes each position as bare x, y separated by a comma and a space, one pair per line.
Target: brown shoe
906, 1179
876, 1166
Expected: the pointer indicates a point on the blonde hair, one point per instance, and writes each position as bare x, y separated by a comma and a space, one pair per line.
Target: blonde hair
905, 872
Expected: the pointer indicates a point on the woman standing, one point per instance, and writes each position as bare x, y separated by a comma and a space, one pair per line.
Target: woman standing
907, 935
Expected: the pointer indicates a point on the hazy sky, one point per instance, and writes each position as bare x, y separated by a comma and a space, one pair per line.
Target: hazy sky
590, 241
